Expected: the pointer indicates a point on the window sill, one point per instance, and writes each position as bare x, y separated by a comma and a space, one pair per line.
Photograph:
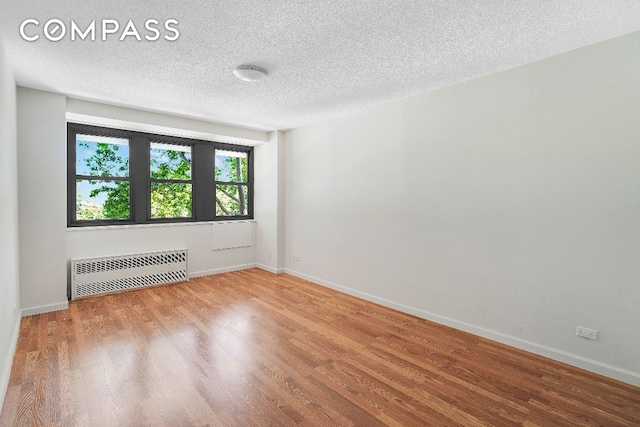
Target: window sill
163, 224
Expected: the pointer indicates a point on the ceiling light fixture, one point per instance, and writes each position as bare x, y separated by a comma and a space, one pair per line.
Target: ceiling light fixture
249, 73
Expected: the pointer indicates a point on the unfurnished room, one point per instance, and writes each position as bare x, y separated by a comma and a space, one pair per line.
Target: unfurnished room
320, 213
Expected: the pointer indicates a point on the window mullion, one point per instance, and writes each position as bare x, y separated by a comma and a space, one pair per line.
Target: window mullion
103, 178
203, 186
140, 182
177, 181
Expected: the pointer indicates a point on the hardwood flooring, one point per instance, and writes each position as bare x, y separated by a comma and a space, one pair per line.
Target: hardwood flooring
250, 348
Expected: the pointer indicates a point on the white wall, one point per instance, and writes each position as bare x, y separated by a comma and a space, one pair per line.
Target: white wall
196, 237
269, 205
42, 179
47, 246
94, 113
508, 206
9, 267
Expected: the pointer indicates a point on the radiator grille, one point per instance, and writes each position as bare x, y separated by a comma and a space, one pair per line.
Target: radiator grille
109, 264
103, 275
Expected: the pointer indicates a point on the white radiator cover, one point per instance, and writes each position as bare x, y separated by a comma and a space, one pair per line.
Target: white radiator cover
93, 276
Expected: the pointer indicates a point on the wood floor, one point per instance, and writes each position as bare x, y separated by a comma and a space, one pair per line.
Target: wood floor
251, 348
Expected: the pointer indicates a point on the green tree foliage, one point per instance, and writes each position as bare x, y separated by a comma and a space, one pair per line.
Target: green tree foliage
170, 199
106, 160
86, 210
117, 204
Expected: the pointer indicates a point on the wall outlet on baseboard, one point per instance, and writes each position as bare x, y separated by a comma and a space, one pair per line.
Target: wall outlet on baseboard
295, 257
590, 334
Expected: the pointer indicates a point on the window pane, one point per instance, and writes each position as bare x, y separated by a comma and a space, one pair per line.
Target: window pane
231, 166
232, 200
102, 200
102, 156
170, 200
169, 161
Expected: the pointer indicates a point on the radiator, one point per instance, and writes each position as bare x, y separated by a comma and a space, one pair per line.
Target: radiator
93, 276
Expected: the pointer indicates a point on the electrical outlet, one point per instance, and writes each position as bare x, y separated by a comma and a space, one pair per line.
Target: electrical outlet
297, 258
590, 334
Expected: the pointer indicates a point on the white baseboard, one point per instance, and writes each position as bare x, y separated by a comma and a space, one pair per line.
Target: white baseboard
221, 270
46, 308
6, 369
605, 369
270, 269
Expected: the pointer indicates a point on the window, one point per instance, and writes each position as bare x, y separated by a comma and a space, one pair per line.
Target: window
232, 183
123, 177
171, 186
102, 178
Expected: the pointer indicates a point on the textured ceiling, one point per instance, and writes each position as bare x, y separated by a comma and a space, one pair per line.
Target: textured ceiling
324, 58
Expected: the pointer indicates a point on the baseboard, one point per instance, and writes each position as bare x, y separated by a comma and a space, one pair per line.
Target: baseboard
221, 270
46, 308
6, 369
270, 269
605, 369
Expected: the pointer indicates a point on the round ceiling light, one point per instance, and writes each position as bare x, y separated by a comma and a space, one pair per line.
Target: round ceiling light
249, 73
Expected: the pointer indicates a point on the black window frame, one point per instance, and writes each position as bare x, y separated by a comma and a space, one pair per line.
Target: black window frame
202, 176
